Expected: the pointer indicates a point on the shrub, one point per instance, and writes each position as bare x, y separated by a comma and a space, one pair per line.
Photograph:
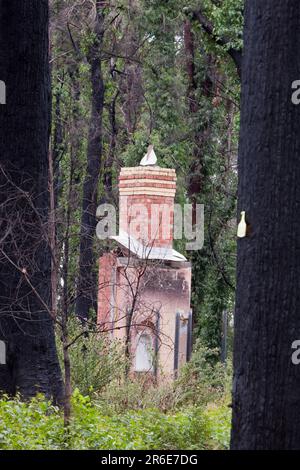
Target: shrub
204, 379
95, 360
143, 429
218, 421
39, 425
201, 381
28, 426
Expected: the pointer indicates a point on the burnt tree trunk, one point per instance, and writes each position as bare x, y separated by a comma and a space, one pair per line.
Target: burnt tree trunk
266, 399
111, 157
87, 282
25, 259
131, 83
201, 131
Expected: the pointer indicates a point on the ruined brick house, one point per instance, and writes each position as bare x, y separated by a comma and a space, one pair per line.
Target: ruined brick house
145, 285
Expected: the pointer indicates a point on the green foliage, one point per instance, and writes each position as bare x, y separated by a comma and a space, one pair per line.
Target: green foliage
203, 379
226, 17
218, 421
214, 266
190, 413
38, 425
96, 361
143, 429
228, 21
27, 426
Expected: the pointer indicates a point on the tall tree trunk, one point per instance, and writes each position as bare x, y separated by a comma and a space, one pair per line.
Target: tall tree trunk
189, 48
131, 83
25, 259
266, 400
201, 132
58, 149
87, 287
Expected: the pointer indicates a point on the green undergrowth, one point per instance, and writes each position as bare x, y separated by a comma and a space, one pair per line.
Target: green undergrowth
39, 425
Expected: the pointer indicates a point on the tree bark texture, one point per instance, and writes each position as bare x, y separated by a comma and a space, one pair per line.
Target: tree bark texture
25, 259
87, 282
266, 398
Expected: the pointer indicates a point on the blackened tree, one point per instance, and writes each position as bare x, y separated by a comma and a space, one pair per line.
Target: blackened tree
26, 324
266, 401
87, 283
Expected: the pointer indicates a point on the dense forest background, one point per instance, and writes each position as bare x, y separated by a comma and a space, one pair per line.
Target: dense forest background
126, 74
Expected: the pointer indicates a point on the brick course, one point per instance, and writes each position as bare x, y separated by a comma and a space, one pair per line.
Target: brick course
149, 187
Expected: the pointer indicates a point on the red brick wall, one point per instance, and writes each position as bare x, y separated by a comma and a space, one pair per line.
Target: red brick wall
106, 266
147, 204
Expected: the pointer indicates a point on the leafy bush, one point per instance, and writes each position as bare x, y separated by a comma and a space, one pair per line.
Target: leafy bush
143, 429
120, 396
137, 394
218, 421
33, 425
95, 360
39, 425
201, 381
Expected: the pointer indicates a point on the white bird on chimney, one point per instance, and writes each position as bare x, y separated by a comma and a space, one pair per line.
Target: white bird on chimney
150, 158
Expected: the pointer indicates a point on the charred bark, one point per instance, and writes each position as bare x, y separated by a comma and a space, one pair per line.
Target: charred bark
266, 401
87, 282
131, 79
201, 132
111, 157
25, 259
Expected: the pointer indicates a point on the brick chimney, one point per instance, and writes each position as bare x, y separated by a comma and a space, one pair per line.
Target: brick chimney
147, 204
